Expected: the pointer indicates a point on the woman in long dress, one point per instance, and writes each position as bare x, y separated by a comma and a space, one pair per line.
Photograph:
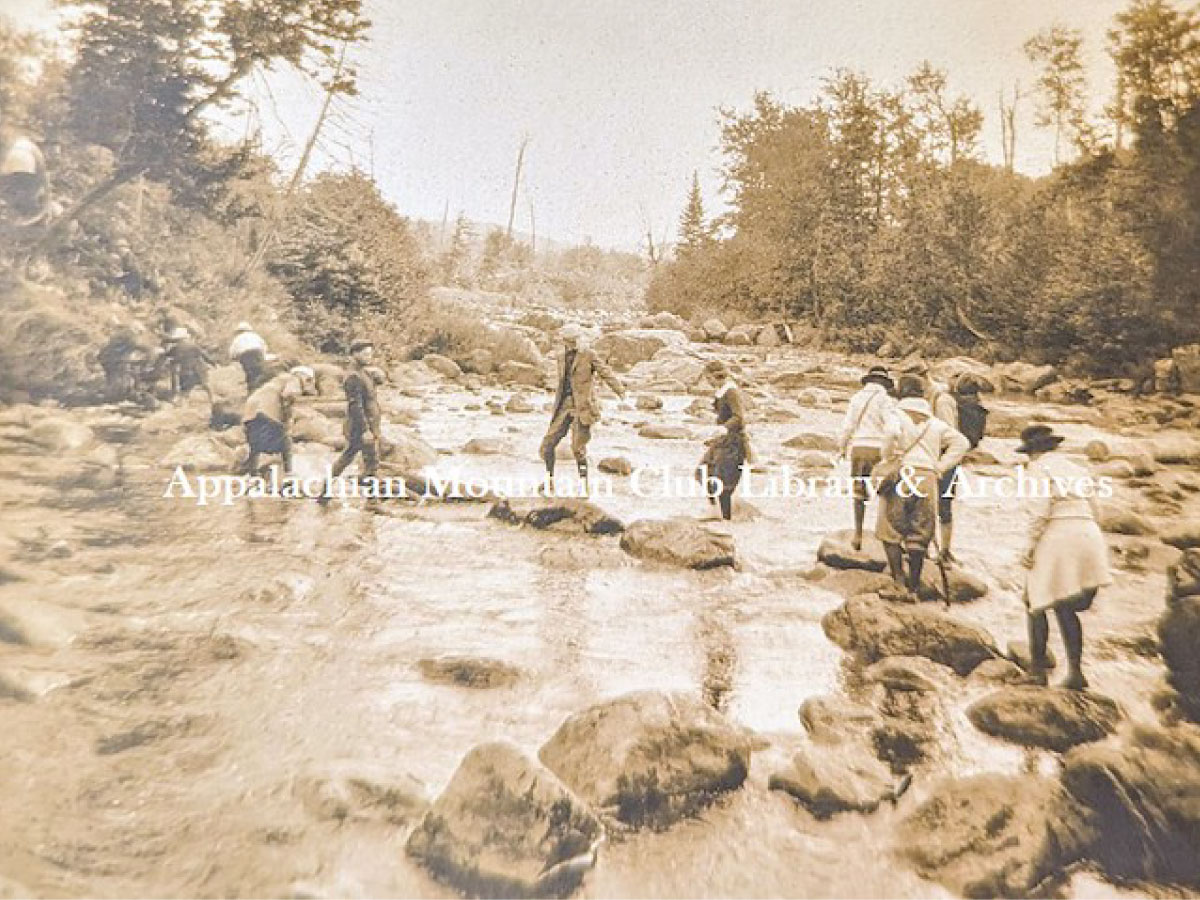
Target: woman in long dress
1067, 558
728, 451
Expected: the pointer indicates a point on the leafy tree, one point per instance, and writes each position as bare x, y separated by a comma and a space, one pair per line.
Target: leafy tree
1061, 85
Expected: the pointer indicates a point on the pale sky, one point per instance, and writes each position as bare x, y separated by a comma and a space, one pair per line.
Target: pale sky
620, 97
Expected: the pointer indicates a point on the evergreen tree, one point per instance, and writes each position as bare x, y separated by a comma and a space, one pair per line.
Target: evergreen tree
694, 231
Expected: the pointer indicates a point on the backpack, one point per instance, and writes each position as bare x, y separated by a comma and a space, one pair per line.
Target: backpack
972, 419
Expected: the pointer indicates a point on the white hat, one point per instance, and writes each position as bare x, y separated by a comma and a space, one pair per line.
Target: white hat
179, 334
243, 326
303, 372
917, 405
571, 332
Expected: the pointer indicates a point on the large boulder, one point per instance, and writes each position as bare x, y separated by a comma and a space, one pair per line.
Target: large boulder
668, 368
1050, 718
995, 835
962, 585
873, 629
200, 453
664, 320
1179, 632
741, 335
714, 329
1144, 788
1187, 362
1025, 378
1175, 450
830, 780
679, 541
624, 349
356, 791
406, 452
312, 426
837, 551
560, 514
899, 740
950, 370
507, 827
442, 365
649, 757
1117, 518
1183, 535
511, 372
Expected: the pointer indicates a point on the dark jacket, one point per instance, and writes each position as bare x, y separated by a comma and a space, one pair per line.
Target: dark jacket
582, 381
362, 402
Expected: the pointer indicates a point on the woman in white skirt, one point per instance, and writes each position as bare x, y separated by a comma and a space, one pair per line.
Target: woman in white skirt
1067, 559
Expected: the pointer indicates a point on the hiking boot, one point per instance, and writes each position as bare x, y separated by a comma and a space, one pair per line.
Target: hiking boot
1074, 682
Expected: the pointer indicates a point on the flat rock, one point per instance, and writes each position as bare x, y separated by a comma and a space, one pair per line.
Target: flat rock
407, 452
913, 674
1018, 652
200, 453
1183, 535
615, 465
36, 623
561, 514
27, 685
854, 582
512, 372
360, 791
649, 402
828, 781
660, 432
505, 826
837, 551
679, 541
873, 629
1050, 718
809, 440
442, 365
651, 757
468, 671
485, 446
964, 587
995, 835
624, 349
999, 671
519, 403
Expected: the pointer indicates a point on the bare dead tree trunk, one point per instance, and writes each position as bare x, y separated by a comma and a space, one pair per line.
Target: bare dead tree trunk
1008, 127
532, 231
512, 206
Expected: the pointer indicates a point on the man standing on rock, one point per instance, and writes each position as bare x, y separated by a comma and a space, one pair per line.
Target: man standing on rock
576, 408
364, 421
861, 437
187, 363
249, 350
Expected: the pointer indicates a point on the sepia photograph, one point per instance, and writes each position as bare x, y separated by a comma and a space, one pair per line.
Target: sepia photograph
566, 449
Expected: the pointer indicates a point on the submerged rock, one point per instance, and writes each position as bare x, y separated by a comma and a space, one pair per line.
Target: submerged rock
353, 790
831, 780
468, 671
200, 453
1050, 718
505, 826
1144, 788
651, 757
995, 835
561, 514
35, 623
873, 629
679, 541
837, 551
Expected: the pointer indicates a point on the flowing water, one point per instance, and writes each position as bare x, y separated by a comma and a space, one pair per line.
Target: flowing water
227, 650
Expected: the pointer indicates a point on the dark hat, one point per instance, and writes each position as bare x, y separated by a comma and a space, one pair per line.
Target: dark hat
911, 386
1038, 439
878, 375
967, 383
360, 344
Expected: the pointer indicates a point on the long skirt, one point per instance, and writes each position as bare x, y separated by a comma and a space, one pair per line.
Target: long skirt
1071, 557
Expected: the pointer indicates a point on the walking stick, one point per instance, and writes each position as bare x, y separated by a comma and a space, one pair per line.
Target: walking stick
941, 564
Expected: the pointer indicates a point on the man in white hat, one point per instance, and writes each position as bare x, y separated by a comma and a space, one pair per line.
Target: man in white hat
268, 415
576, 408
187, 363
250, 351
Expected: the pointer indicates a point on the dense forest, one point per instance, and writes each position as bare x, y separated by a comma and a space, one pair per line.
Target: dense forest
869, 213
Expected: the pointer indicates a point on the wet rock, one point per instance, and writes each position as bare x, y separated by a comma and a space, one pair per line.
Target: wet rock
624, 349
485, 447
200, 453
837, 551
1144, 789
1025, 378
999, 671
311, 426
714, 329
808, 440
1050, 718
649, 402
650, 757
1117, 469
1018, 652
560, 514
913, 674
518, 403
873, 629
1116, 518
405, 452
148, 731
1179, 637
1175, 450
855, 582
679, 541
512, 372
615, 465
468, 671
35, 623
815, 398
505, 826
61, 435
836, 719
1184, 535
442, 365
832, 780
360, 791
27, 685
964, 587
995, 835
658, 432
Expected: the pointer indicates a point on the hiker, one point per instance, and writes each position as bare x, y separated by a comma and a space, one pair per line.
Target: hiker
120, 358
861, 437
576, 408
970, 420
187, 363
249, 350
268, 415
726, 452
917, 449
364, 421
1066, 559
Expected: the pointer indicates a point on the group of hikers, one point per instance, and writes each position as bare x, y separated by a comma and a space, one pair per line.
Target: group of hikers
915, 427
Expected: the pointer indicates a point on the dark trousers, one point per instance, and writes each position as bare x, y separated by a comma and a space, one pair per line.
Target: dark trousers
565, 420
357, 443
254, 367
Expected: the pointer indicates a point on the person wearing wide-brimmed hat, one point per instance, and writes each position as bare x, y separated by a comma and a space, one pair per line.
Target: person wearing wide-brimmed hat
861, 437
576, 408
187, 362
926, 448
1067, 558
726, 453
364, 420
